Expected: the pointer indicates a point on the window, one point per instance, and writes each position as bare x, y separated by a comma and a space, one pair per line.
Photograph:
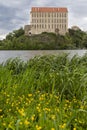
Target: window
52, 26
42, 14
57, 20
55, 25
65, 26
49, 26
54, 14
64, 20
60, 26
42, 20
60, 14
48, 20
48, 14
35, 26
42, 26
57, 14
54, 20
32, 14
65, 14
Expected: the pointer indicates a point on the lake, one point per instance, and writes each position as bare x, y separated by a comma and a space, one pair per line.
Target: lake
26, 55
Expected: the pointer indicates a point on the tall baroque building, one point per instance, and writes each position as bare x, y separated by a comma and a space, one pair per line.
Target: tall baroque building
49, 19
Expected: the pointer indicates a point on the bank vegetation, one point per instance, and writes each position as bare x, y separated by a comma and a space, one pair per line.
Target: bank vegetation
45, 93
45, 41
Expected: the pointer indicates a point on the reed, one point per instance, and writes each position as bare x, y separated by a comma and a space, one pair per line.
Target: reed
46, 93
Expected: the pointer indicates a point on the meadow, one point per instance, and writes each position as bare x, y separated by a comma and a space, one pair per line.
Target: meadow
44, 93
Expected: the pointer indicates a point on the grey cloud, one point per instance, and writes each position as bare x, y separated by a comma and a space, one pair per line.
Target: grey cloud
6, 14
15, 13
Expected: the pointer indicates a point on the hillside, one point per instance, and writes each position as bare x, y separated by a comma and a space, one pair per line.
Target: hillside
45, 41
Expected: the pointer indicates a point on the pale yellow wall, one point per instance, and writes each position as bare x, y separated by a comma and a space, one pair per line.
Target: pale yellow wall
48, 22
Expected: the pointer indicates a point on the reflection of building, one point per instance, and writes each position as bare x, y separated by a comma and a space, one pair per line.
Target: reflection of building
44, 19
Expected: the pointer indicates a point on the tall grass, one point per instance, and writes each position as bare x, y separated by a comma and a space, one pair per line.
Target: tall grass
46, 93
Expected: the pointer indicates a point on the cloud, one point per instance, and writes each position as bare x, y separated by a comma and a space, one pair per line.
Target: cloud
15, 13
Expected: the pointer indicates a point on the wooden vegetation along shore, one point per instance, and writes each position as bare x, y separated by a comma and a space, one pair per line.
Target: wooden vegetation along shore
46, 93
45, 41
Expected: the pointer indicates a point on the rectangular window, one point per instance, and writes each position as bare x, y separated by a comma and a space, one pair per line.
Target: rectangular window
57, 21
57, 26
49, 26
54, 20
42, 26
65, 14
65, 26
35, 26
60, 26
52, 26
42, 14
48, 20
60, 14
41, 20
48, 14
65, 20
32, 14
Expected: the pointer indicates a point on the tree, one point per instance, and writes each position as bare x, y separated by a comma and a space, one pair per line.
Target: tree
18, 33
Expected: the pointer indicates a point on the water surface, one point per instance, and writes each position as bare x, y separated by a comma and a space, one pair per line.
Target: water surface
26, 55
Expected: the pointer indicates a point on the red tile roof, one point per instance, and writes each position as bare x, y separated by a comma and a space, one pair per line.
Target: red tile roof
48, 9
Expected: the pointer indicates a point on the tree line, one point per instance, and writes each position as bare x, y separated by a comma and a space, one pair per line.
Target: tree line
17, 40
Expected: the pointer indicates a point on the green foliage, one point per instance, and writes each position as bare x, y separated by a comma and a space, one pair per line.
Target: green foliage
46, 93
47, 72
45, 41
15, 66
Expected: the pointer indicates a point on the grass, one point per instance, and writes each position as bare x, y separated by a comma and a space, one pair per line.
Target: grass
46, 93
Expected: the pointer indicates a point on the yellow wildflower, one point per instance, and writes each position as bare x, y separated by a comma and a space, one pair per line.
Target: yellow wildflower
53, 117
33, 117
0, 110
74, 128
4, 124
38, 127
20, 123
29, 95
52, 128
22, 113
26, 122
63, 126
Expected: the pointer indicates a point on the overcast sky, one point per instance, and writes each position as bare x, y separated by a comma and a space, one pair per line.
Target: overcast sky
15, 13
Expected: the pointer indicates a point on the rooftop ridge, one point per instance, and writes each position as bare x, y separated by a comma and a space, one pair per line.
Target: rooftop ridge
49, 9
